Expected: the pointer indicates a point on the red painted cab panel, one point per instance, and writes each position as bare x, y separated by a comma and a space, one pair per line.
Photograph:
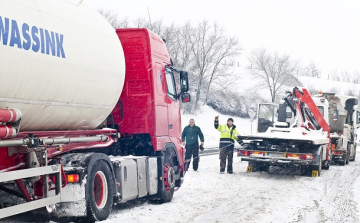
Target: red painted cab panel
148, 103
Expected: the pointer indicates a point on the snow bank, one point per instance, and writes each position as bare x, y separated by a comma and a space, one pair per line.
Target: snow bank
205, 120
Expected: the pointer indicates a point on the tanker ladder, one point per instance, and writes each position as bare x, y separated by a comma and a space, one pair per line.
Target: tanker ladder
37, 172
31, 203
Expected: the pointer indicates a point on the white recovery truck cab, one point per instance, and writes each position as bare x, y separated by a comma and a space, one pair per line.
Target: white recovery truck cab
343, 116
303, 142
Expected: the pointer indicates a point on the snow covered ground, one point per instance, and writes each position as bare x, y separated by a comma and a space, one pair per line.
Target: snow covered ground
280, 196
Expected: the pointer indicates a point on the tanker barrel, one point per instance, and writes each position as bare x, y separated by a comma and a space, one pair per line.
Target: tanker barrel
72, 62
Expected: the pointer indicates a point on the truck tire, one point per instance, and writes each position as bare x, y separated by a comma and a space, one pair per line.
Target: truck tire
319, 166
169, 180
264, 167
305, 170
343, 162
354, 156
347, 157
326, 165
99, 189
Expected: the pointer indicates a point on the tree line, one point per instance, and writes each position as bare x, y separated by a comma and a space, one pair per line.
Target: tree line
210, 56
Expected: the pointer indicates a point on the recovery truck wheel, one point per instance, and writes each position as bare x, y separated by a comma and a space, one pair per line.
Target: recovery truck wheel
169, 180
316, 169
252, 167
264, 167
326, 165
305, 170
99, 191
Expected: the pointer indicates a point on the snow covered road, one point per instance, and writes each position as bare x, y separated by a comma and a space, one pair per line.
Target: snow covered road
281, 196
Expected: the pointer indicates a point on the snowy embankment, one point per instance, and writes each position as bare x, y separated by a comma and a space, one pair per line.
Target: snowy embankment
329, 86
205, 120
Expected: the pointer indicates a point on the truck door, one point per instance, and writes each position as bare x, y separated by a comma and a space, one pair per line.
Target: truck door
162, 121
173, 107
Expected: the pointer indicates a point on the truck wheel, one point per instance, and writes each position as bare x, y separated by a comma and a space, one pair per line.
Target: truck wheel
347, 157
353, 157
326, 165
254, 166
304, 170
264, 167
342, 163
169, 180
319, 166
99, 190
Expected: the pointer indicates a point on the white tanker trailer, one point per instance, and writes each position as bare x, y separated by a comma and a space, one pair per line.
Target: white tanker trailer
67, 104
61, 65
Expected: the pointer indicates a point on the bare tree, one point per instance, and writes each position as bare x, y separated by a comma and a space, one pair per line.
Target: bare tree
311, 70
272, 71
356, 77
334, 75
111, 16
210, 48
204, 50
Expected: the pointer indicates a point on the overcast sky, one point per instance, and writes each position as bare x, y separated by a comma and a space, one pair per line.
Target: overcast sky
324, 31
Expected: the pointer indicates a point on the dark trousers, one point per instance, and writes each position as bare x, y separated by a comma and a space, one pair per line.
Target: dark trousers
226, 151
192, 150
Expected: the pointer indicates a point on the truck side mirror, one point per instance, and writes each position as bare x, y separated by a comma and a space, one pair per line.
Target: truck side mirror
185, 97
184, 82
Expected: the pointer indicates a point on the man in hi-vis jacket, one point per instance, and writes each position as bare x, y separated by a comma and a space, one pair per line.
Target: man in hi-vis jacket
227, 142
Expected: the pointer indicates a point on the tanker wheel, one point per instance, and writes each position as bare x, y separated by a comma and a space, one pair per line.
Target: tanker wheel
99, 190
169, 180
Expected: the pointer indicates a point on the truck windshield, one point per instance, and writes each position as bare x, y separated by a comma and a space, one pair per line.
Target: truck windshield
267, 115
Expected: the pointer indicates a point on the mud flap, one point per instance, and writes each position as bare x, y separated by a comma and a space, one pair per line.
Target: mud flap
249, 169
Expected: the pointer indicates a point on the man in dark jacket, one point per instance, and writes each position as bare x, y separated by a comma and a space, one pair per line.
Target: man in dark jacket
191, 134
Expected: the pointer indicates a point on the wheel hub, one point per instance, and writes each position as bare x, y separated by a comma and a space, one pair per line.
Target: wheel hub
100, 189
169, 177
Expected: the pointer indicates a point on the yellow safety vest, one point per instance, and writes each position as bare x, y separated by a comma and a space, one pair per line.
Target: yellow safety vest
225, 132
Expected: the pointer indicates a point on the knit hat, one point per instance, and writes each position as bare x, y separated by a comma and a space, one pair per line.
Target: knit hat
230, 119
